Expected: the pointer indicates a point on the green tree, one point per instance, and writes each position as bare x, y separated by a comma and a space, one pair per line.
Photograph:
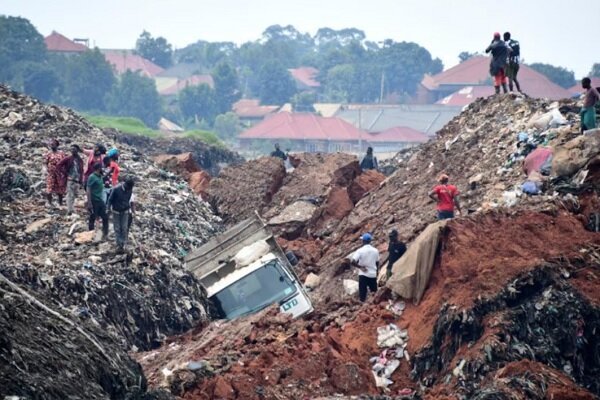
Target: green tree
157, 50
227, 85
227, 126
276, 85
89, 78
465, 55
559, 75
40, 80
340, 83
197, 103
20, 43
304, 102
595, 71
135, 96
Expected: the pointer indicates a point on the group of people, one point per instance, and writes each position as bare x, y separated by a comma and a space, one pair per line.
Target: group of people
366, 258
99, 176
504, 66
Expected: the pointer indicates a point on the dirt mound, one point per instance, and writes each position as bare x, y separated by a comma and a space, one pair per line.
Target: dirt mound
185, 166
210, 158
142, 296
241, 190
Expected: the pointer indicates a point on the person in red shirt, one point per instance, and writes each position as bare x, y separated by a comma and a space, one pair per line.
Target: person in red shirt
446, 197
113, 154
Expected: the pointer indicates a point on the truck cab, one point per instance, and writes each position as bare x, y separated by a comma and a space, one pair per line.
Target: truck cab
244, 271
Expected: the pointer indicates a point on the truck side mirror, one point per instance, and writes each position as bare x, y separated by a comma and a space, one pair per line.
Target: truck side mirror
293, 260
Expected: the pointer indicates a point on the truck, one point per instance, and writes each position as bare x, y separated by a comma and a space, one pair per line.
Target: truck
244, 270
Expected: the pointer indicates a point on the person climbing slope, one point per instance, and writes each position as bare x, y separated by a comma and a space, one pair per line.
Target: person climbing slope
446, 197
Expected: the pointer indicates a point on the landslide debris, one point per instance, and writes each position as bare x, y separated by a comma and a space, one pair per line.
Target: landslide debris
141, 297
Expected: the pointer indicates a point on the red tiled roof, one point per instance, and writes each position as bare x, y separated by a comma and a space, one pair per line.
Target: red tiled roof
399, 134
57, 42
577, 89
299, 126
123, 60
251, 108
475, 71
306, 76
466, 95
181, 84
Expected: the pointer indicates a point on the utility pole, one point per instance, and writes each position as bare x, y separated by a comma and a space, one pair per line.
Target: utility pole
381, 89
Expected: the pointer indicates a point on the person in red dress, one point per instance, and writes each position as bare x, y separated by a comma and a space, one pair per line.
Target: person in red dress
53, 180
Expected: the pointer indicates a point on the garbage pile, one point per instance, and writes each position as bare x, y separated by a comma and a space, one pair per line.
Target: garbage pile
210, 158
142, 296
46, 354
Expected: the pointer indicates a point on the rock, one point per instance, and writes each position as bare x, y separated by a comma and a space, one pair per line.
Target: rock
338, 204
223, 389
181, 164
37, 225
573, 155
366, 181
350, 287
312, 281
349, 378
199, 182
85, 237
299, 211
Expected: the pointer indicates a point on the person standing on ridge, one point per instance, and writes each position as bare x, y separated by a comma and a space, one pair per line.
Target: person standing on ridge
95, 200
366, 259
396, 249
588, 111
94, 156
446, 197
120, 201
71, 171
278, 153
53, 180
514, 58
369, 161
500, 52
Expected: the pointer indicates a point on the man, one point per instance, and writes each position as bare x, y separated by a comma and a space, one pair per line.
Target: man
514, 58
498, 64
53, 180
366, 259
446, 197
588, 111
369, 161
95, 201
396, 249
278, 153
120, 201
71, 171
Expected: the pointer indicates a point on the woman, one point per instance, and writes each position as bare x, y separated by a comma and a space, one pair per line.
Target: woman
93, 157
53, 180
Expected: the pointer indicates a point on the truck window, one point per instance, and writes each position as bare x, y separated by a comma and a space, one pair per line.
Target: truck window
257, 290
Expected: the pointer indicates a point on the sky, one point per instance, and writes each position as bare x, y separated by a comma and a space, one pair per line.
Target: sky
551, 31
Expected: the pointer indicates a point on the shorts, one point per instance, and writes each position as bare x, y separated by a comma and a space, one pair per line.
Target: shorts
512, 69
445, 215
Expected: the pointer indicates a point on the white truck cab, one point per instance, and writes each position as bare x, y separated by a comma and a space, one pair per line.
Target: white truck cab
244, 271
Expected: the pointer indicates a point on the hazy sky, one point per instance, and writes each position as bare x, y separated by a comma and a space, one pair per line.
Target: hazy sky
552, 31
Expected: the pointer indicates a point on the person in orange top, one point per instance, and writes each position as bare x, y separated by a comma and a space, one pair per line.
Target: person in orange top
446, 197
113, 154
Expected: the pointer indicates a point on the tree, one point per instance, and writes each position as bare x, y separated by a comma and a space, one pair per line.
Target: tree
20, 43
40, 80
198, 103
135, 96
89, 78
304, 102
227, 126
595, 72
339, 83
559, 75
465, 55
227, 85
276, 85
157, 50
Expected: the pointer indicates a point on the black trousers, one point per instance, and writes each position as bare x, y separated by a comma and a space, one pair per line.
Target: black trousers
365, 283
98, 211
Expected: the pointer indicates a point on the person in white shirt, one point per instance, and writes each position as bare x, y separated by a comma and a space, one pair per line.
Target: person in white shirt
366, 259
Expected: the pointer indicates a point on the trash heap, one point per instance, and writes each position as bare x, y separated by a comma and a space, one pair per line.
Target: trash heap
141, 297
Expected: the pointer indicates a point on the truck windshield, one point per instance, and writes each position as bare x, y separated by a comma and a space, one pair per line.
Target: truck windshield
257, 290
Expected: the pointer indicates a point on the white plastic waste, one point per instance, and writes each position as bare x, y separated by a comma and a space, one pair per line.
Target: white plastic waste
389, 336
350, 287
251, 253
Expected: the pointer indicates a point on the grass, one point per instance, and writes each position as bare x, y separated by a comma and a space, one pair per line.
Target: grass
205, 136
124, 124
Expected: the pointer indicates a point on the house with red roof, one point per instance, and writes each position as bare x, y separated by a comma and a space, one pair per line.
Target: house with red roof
179, 84
466, 95
250, 111
475, 72
305, 77
126, 60
306, 132
395, 139
57, 43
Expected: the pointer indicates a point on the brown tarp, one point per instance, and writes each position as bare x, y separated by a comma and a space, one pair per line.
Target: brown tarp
410, 274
